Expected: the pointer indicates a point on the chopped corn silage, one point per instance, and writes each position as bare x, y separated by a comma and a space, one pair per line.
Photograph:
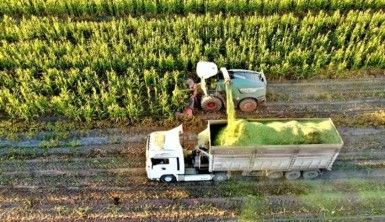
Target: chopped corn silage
204, 86
244, 133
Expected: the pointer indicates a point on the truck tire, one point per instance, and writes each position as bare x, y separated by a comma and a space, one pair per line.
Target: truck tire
275, 174
248, 105
219, 177
211, 104
168, 178
310, 174
293, 175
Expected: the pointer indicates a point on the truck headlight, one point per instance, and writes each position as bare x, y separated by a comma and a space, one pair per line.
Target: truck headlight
247, 90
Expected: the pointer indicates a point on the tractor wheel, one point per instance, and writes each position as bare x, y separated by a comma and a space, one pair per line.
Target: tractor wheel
211, 104
168, 178
248, 105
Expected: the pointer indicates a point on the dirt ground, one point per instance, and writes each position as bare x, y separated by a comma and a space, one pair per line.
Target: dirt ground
99, 174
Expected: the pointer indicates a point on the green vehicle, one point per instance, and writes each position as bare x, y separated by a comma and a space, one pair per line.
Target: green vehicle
248, 87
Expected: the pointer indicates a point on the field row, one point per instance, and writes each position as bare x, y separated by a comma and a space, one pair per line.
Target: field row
108, 182
352, 154
264, 198
132, 143
360, 145
135, 178
332, 86
326, 90
326, 107
127, 69
95, 8
120, 162
328, 95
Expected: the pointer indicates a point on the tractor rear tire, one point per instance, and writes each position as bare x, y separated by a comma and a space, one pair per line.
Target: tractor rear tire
248, 105
211, 104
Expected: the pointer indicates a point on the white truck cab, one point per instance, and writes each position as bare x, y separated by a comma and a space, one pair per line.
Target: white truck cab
164, 155
165, 159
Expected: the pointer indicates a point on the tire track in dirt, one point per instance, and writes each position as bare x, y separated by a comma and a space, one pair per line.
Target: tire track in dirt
161, 209
131, 178
54, 166
326, 97
140, 138
307, 217
352, 160
99, 203
357, 140
193, 190
59, 164
336, 84
155, 190
326, 107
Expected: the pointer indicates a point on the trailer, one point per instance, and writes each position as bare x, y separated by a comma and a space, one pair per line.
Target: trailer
166, 161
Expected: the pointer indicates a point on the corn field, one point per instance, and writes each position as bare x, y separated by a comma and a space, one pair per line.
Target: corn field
129, 66
87, 8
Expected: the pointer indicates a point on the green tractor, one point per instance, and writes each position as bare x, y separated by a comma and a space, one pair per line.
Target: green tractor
248, 88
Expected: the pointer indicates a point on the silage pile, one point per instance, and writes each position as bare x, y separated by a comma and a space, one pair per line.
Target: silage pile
240, 132
244, 133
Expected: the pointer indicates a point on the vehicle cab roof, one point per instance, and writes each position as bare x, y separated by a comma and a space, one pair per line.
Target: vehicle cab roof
163, 144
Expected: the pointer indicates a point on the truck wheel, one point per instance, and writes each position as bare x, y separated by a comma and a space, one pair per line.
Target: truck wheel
311, 174
211, 104
248, 105
218, 177
292, 175
274, 174
168, 178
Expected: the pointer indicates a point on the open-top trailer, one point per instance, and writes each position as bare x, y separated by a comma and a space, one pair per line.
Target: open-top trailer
168, 162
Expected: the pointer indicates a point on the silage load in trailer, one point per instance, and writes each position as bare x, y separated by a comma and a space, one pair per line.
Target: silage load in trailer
247, 133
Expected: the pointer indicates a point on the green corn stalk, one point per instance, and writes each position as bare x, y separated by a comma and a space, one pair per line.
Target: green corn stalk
122, 68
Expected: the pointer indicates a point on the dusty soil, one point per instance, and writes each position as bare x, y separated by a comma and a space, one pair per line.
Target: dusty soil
99, 174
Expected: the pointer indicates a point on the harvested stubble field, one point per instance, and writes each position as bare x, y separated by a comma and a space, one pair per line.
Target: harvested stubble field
99, 174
